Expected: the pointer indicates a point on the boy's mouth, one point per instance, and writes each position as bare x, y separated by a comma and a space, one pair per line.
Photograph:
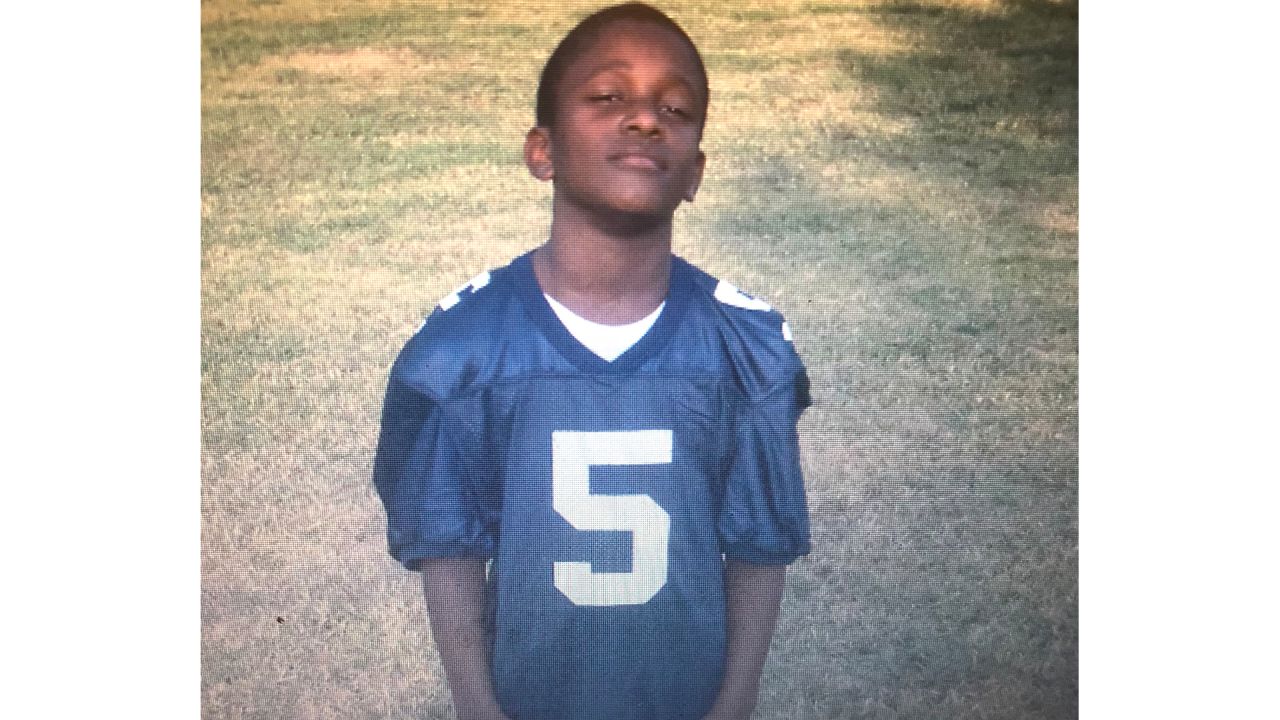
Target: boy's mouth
638, 160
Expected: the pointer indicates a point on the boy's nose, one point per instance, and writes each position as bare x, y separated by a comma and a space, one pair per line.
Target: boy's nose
642, 118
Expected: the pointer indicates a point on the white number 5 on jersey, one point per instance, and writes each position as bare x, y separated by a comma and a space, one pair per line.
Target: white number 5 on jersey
572, 455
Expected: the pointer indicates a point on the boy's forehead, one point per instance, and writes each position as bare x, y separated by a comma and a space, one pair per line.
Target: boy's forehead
625, 41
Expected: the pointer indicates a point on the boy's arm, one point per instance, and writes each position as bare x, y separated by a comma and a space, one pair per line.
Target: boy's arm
753, 594
454, 588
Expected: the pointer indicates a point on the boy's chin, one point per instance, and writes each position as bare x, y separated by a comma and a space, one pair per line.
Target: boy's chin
644, 200
645, 208
633, 209
640, 214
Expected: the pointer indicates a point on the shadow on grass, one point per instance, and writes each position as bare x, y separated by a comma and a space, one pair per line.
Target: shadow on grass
943, 331
988, 157
1002, 84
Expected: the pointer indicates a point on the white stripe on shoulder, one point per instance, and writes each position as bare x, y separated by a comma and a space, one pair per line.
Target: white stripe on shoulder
473, 284
730, 295
450, 300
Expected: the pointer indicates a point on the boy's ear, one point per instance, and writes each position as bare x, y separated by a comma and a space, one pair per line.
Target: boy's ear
537, 153
692, 190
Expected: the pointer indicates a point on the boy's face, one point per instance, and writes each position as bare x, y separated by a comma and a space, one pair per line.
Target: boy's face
628, 123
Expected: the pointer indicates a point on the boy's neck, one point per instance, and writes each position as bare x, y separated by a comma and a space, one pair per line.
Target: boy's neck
612, 276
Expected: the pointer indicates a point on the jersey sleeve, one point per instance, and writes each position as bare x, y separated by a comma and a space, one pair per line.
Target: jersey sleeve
435, 504
764, 518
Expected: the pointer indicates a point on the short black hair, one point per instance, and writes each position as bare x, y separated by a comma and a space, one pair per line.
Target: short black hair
581, 37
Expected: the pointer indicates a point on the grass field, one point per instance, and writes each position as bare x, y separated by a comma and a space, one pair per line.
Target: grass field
898, 178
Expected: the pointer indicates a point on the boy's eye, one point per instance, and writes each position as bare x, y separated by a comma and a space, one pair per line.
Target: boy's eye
609, 97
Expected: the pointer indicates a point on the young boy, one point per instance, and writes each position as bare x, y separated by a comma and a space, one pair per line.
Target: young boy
612, 428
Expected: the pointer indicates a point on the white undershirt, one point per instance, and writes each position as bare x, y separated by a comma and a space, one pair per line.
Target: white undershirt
607, 341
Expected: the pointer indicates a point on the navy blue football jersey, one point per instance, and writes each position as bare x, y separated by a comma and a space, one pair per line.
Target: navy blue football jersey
607, 494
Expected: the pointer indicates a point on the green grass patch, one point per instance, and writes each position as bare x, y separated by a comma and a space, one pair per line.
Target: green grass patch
243, 41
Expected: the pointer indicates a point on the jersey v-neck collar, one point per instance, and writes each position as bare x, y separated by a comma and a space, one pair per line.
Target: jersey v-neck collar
648, 346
